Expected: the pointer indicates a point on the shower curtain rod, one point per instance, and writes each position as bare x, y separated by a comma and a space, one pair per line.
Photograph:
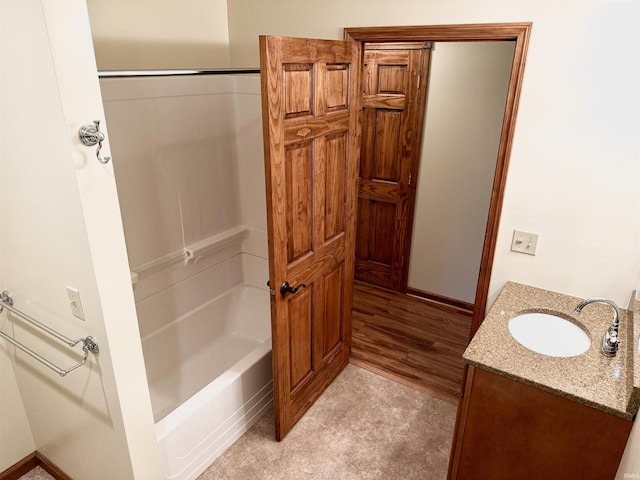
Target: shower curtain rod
168, 73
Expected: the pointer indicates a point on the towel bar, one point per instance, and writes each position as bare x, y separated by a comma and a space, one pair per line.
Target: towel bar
89, 343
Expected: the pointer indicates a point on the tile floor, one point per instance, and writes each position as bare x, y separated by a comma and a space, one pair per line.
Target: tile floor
363, 427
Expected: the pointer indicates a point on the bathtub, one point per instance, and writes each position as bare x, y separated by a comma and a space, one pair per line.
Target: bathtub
193, 202
209, 368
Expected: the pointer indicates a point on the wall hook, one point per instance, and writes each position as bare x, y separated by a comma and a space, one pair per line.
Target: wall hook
91, 135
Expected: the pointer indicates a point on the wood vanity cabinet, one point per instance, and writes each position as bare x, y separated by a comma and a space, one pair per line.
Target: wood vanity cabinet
509, 430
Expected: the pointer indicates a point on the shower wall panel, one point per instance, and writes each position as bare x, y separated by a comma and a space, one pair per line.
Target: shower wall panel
173, 145
187, 154
249, 151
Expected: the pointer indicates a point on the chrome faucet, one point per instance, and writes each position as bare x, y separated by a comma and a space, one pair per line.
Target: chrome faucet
610, 339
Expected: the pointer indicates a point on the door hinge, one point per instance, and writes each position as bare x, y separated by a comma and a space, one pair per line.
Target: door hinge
419, 78
409, 178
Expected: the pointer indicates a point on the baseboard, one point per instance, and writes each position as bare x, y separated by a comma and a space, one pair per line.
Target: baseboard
17, 470
51, 468
453, 400
30, 462
452, 302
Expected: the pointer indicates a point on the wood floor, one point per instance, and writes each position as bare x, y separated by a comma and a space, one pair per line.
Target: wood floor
416, 342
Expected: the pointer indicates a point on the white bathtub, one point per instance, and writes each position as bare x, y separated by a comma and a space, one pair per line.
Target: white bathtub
209, 369
193, 202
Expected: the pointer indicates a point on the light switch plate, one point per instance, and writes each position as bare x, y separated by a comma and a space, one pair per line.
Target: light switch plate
524, 242
74, 302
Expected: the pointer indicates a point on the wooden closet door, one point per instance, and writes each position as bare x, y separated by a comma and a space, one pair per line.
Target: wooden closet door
394, 86
310, 106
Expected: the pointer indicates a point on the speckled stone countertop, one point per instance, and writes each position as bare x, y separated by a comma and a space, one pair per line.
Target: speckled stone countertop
634, 403
608, 384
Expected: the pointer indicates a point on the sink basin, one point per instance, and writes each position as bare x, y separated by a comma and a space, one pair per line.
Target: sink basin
549, 334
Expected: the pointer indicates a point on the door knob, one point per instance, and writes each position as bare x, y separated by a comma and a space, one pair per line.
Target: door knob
286, 288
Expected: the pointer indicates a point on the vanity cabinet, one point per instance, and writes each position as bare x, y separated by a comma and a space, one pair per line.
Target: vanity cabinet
508, 430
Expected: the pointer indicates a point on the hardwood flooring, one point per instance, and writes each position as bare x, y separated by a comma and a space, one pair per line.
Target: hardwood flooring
413, 341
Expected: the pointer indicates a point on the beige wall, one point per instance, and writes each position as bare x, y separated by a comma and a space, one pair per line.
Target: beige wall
468, 84
61, 226
630, 464
16, 441
574, 130
153, 34
575, 160
574, 165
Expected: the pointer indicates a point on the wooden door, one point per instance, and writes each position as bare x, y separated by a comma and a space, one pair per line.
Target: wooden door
310, 105
394, 89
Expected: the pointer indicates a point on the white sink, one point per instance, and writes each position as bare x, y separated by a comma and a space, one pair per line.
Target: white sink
548, 334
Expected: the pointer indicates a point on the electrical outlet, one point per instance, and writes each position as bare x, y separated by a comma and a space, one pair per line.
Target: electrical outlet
524, 242
74, 301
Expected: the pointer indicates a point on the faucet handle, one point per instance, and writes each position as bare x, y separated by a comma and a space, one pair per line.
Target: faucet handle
610, 343
610, 338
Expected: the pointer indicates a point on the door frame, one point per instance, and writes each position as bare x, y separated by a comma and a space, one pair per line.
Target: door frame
518, 32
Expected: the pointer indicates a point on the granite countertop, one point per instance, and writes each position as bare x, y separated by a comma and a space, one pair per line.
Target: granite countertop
634, 403
609, 384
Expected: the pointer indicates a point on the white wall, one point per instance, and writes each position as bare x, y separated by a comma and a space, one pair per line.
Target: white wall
152, 34
575, 132
630, 463
575, 164
16, 441
61, 226
468, 84
575, 160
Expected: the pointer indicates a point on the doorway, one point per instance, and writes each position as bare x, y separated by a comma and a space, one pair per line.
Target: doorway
519, 34
431, 122
302, 200
467, 89
396, 335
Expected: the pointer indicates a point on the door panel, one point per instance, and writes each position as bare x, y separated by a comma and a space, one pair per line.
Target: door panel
391, 117
300, 328
386, 166
335, 185
310, 98
381, 238
299, 172
332, 333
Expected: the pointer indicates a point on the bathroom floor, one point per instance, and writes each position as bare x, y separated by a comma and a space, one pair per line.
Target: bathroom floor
364, 426
37, 473
411, 340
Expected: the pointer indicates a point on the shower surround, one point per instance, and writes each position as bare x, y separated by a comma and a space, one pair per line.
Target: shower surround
187, 153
